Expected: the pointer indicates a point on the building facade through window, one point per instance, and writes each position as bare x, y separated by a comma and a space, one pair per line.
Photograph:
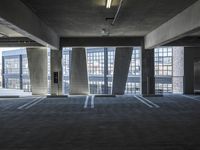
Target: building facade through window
15, 72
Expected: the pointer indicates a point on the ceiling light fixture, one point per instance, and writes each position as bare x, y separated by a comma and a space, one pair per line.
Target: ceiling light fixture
108, 3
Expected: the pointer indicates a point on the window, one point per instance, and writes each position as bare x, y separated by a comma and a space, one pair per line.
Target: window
49, 70
96, 87
163, 62
133, 81
66, 55
12, 65
163, 69
111, 61
163, 88
12, 83
135, 63
95, 60
25, 69
26, 85
12, 72
100, 69
96, 68
132, 88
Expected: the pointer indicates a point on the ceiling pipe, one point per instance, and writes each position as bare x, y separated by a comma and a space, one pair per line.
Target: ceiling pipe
117, 13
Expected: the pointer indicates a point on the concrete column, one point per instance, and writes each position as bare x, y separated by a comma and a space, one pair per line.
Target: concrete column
190, 54
37, 63
78, 74
121, 68
56, 69
178, 69
147, 72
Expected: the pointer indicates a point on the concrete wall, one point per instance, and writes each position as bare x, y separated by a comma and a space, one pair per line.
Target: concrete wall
178, 69
37, 63
122, 63
182, 24
56, 66
190, 54
101, 41
22, 20
147, 72
78, 74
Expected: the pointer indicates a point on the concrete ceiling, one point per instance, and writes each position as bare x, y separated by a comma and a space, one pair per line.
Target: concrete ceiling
7, 32
86, 18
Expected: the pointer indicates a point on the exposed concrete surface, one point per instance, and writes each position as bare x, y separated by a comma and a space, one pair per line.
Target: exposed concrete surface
178, 69
190, 53
37, 63
17, 16
7, 32
147, 71
83, 18
101, 41
121, 123
182, 24
123, 57
78, 73
18, 42
56, 66
186, 42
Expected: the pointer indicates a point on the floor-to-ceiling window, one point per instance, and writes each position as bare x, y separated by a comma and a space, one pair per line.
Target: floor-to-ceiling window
11, 72
163, 69
25, 74
100, 69
66, 55
15, 69
49, 69
96, 68
133, 81
111, 61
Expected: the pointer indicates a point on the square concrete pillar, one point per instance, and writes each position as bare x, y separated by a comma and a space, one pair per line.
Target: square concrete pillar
190, 55
56, 72
178, 69
37, 63
147, 72
78, 73
121, 68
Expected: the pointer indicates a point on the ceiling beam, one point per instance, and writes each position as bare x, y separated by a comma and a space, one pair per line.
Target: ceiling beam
101, 41
18, 17
185, 42
186, 22
18, 42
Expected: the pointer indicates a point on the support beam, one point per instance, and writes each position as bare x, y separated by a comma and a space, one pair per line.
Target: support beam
185, 42
18, 17
18, 42
78, 74
181, 25
101, 41
121, 68
37, 63
147, 72
56, 69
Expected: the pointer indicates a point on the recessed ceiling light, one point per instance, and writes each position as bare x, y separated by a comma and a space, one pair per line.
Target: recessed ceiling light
108, 3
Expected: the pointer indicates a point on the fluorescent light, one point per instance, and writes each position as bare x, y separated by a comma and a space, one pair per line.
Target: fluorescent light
108, 3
